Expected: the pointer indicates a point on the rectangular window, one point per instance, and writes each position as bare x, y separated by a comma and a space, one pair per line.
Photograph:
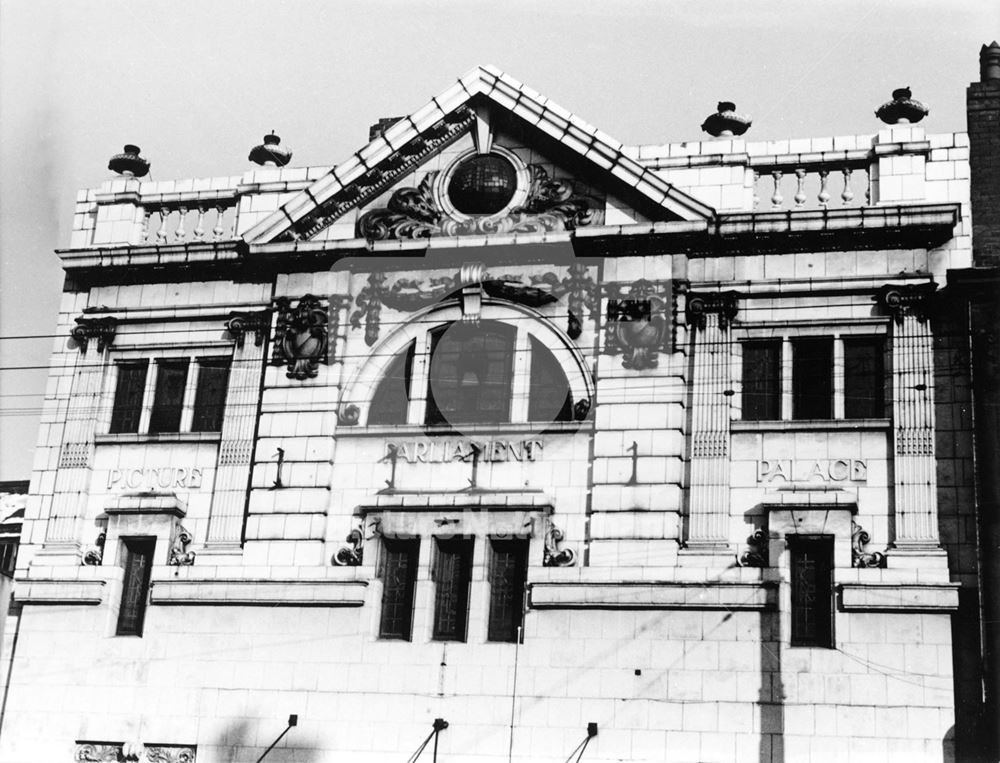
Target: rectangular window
210, 396
135, 586
761, 381
864, 378
507, 574
812, 591
128, 397
8, 556
168, 399
812, 378
399, 577
452, 575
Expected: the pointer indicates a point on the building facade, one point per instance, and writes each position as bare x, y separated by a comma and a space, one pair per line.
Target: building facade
506, 439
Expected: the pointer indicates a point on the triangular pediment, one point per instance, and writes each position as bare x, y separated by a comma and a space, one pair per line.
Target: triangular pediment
487, 156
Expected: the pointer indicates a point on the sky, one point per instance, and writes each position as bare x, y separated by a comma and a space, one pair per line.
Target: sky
197, 84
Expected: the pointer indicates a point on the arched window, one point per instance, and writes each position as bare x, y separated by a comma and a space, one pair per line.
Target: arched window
393, 394
488, 372
470, 373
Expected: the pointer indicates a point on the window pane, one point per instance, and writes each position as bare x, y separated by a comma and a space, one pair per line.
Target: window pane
392, 397
135, 586
210, 397
761, 381
864, 380
508, 570
470, 374
399, 576
128, 397
549, 398
452, 574
812, 378
168, 401
812, 591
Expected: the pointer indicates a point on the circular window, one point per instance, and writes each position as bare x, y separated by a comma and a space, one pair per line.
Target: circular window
482, 185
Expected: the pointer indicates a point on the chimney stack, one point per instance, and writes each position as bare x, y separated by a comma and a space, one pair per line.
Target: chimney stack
983, 115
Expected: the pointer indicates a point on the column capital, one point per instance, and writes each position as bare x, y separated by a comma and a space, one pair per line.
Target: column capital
700, 305
103, 330
900, 300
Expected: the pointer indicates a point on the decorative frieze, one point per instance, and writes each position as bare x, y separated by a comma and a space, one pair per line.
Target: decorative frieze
639, 322
580, 292
552, 204
116, 752
103, 330
300, 336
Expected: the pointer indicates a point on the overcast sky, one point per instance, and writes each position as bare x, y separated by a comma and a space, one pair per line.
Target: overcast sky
197, 84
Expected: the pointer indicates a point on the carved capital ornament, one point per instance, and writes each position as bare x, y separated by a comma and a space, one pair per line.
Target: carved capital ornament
300, 336
101, 329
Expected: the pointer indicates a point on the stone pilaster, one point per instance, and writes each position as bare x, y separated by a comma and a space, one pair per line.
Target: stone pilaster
915, 480
93, 338
709, 316
225, 525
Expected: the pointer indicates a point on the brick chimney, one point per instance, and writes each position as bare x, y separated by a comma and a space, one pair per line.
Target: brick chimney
983, 110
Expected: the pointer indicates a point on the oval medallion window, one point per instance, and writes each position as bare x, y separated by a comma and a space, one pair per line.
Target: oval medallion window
483, 185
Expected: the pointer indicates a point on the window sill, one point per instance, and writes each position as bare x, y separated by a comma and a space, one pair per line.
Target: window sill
463, 430
131, 437
806, 425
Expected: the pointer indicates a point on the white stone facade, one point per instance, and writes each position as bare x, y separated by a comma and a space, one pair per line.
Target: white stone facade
660, 630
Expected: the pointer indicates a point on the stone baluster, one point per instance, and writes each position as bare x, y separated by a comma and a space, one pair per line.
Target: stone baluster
225, 524
710, 315
145, 224
913, 417
847, 195
777, 199
868, 186
218, 230
180, 233
161, 234
199, 228
800, 190
756, 194
824, 194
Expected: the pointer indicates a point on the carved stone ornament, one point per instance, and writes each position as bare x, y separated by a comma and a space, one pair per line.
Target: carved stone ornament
725, 304
725, 122
94, 554
349, 415
98, 752
378, 179
352, 555
239, 324
860, 557
553, 204
902, 109
468, 285
101, 329
553, 556
300, 336
580, 292
171, 754
756, 554
900, 301
179, 555
639, 322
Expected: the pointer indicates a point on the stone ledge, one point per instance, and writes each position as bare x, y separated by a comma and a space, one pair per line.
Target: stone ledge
861, 597
264, 593
59, 591
657, 595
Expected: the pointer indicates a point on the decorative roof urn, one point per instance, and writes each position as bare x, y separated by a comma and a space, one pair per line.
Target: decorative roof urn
270, 152
725, 122
129, 163
902, 109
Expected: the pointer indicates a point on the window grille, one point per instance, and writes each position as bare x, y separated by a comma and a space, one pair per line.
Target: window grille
761, 381
864, 378
812, 378
135, 586
168, 399
812, 591
452, 575
210, 397
128, 397
507, 574
399, 575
